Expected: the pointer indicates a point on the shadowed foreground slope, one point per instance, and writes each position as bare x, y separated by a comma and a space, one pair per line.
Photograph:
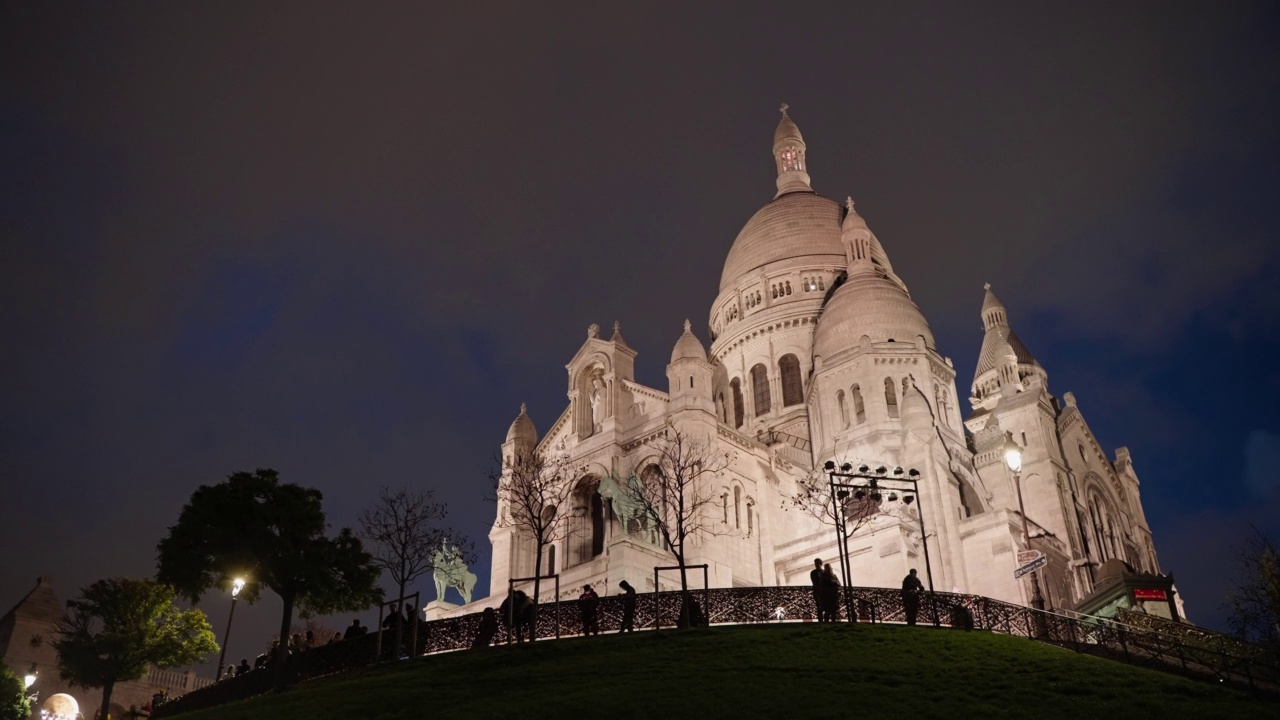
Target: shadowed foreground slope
794, 670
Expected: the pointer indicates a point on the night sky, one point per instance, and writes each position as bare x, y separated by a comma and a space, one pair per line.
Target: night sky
346, 242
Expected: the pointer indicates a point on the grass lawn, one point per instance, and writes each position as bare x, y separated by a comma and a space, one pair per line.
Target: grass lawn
774, 671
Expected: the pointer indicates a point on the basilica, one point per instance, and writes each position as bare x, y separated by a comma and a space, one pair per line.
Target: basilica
818, 353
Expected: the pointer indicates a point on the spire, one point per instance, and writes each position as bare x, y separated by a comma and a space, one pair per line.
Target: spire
1000, 345
993, 312
788, 153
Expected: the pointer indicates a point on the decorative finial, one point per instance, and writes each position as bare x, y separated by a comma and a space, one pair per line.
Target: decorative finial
848, 202
524, 410
783, 109
986, 286
617, 328
687, 325
593, 330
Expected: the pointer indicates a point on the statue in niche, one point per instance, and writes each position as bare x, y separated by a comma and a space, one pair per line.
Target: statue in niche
597, 403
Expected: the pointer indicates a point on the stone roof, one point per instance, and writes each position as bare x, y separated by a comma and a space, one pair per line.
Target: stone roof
992, 345
870, 305
522, 428
795, 225
688, 346
41, 604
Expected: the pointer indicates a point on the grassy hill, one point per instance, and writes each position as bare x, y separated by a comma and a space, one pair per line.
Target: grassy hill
775, 671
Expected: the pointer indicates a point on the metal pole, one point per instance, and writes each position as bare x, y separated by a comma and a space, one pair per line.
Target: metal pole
924, 538
1037, 600
842, 547
226, 638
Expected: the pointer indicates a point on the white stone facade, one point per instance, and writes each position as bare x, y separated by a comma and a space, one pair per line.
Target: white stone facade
818, 353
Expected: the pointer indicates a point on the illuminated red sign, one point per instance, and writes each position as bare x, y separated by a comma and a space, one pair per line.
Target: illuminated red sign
1149, 595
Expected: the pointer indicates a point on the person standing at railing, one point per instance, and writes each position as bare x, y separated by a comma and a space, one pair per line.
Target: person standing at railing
829, 593
912, 589
587, 604
815, 577
628, 607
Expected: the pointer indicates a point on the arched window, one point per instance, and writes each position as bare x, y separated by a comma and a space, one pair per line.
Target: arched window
788, 287
792, 387
737, 507
751, 523
721, 410
890, 397
844, 410
587, 521
760, 389
859, 407
724, 506
736, 387
551, 560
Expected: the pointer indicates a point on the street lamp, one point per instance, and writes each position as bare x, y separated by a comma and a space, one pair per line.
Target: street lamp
1013, 458
875, 478
28, 680
236, 586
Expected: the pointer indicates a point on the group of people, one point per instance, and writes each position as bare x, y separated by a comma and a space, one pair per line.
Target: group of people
826, 593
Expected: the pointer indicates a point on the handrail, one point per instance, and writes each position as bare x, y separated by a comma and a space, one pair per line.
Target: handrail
1227, 663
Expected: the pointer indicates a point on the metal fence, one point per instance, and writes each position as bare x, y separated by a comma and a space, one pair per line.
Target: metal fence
1199, 653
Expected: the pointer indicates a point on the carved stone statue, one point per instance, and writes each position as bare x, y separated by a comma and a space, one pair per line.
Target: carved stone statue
597, 403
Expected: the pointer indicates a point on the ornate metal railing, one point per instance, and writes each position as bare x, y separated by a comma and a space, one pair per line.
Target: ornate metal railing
1202, 655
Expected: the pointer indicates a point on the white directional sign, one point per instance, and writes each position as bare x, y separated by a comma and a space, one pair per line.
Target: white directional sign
1031, 566
1028, 556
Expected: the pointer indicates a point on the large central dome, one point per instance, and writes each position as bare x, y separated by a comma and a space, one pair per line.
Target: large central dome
796, 225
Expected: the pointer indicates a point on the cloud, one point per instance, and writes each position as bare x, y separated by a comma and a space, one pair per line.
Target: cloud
1262, 463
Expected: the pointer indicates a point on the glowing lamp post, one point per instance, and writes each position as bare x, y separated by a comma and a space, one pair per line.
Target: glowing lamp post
30, 679
1013, 458
236, 586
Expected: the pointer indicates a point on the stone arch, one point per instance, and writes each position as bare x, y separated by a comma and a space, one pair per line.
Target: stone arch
585, 534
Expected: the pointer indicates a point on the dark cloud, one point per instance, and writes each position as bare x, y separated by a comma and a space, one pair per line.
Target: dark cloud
348, 241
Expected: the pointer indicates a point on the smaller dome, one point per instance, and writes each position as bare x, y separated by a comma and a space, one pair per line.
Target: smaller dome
688, 347
522, 429
874, 306
915, 408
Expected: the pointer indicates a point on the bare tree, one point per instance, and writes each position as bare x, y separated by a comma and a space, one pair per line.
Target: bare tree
674, 493
813, 498
533, 489
1254, 600
403, 531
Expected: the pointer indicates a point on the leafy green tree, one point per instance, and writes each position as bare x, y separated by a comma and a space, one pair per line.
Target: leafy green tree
273, 535
119, 627
13, 696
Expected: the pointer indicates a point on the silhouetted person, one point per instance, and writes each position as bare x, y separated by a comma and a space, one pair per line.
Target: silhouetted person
588, 601
912, 589
829, 593
628, 607
815, 577
243, 667
310, 641
337, 637
516, 611
488, 628
393, 617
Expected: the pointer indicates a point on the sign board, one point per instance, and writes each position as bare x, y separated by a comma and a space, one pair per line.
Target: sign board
1147, 594
1028, 556
1031, 566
